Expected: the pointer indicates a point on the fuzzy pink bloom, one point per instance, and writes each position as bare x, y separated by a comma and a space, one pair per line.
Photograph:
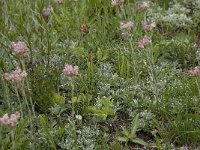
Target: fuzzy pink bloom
59, 1
10, 121
15, 76
116, 2
20, 48
143, 5
149, 27
126, 26
70, 70
144, 42
47, 11
194, 72
14, 119
5, 120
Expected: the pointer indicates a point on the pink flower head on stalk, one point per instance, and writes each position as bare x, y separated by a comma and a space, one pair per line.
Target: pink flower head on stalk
148, 27
47, 11
116, 2
126, 26
15, 76
143, 5
70, 70
10, 121
144, 42
59, 1
20, 48
194, 72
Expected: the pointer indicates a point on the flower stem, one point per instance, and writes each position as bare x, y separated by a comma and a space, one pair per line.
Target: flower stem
72, 95
20, 103
13, 139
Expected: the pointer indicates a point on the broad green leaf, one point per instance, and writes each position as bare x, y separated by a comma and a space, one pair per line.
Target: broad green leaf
106, 101
108, 111
126, 133
139, 141
122, 139
58, 99
94, 110
135, 126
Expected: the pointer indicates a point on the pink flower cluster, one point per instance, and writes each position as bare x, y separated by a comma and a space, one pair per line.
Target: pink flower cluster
15, 76
59, 1
20, 49
144, 42
70, 70
194, 72
10, 121
143, 5
126, 26
149, 27
47, 11
117, 2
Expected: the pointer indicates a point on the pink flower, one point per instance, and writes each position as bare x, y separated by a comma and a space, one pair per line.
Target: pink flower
126, 26
15, 76
144, 42
59, 1
10, 121
5, 120
70, 70
14, 119
47, 11
194, 72
143, 5
149, 27
116, 2
20, 48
